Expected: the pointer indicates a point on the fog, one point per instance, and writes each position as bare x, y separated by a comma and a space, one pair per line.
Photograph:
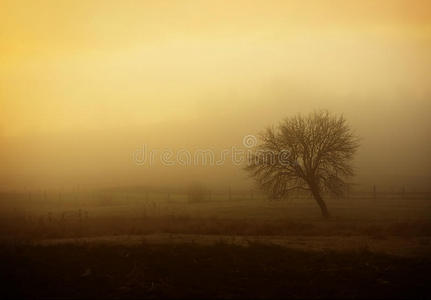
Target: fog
84, 85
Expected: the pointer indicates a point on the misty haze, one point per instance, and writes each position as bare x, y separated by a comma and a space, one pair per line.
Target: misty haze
215, 149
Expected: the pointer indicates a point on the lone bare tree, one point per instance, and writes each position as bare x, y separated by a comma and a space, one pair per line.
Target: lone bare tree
312, 152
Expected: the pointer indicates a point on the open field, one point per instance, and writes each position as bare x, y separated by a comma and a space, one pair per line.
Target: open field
135, 245
104, 213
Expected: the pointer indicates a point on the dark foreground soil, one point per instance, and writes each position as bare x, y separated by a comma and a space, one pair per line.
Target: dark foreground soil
213, 271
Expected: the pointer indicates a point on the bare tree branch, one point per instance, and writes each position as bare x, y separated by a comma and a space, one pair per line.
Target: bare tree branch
321, 147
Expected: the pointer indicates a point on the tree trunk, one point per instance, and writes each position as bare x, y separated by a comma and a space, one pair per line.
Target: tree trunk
316, 194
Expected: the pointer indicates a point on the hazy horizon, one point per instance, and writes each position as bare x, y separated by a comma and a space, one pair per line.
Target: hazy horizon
83, 85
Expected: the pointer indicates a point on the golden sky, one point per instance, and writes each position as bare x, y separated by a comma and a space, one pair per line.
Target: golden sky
91, 64
82, 66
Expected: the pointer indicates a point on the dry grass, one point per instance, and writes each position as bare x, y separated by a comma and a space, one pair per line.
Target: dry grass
114, 213
127, 246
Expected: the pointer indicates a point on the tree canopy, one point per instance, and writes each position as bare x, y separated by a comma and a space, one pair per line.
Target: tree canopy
312, 152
